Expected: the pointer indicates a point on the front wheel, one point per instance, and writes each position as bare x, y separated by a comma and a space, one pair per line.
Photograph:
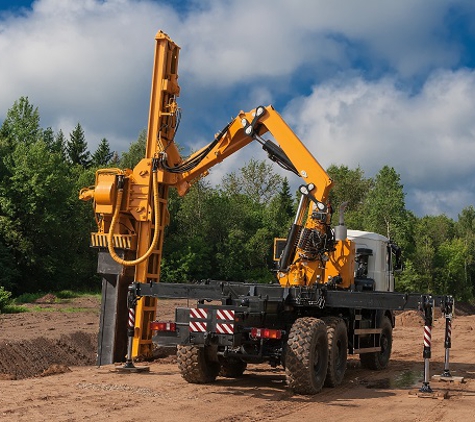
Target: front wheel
306, 357
379, 360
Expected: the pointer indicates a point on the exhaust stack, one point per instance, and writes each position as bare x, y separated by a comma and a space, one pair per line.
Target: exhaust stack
341, 231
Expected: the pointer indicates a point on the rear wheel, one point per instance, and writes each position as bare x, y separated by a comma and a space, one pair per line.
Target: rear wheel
195, 364
379, 360
232, 367
306, 357
337, 351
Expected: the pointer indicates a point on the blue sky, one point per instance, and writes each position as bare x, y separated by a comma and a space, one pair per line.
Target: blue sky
367, 83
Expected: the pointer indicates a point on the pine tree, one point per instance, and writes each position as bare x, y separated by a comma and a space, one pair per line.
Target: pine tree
48, 137
103, 155
59, 144
280, 211
77, 148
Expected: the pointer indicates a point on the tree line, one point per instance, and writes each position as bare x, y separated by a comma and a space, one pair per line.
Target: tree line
222, 232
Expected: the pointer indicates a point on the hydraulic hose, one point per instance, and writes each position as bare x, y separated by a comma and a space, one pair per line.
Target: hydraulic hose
115, 217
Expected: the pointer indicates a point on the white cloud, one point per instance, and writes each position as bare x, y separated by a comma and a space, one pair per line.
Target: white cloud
428, 137
90, 61
450, 202
85, 61
234, 40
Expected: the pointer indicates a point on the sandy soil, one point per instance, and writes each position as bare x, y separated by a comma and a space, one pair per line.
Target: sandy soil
47, 372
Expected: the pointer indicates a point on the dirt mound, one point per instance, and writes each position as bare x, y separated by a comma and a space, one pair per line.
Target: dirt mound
43, 356
464, 308
415, 318
409, 319
55, 370
49, 298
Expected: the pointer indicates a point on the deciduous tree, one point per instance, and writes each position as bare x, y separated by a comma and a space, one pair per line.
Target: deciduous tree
22, 123
135, 153
385, 208
352, 187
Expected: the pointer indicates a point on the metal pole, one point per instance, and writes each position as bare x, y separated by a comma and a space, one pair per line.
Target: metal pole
447, 309
426, 306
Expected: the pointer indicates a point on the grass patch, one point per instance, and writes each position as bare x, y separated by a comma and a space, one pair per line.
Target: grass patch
16, 305
61, 296
74, 310
407, 379
67, 310
27, 298
94, 294
14, 309
42, 309
67, 294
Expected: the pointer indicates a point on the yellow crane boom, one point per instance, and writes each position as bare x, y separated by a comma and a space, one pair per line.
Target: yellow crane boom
131, 206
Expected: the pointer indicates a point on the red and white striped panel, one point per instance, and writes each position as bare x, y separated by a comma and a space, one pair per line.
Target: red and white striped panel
199, 313
224, 328
225, 315
198, 326
223, 321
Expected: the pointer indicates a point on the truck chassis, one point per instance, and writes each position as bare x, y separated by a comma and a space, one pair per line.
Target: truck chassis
307, 330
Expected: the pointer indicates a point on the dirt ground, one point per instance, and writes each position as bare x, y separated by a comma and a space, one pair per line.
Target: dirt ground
47, 372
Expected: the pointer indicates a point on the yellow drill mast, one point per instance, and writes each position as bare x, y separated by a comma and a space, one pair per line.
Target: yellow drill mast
131, 213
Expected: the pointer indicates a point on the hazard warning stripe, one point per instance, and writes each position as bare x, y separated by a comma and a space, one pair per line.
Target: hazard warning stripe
198, 313
223, 328
224, 314
198, 327
427, 335
131, 317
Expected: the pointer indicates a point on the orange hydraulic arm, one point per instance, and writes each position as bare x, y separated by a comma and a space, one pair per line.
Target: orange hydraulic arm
311, 254
310, 244
250, 126
131, 205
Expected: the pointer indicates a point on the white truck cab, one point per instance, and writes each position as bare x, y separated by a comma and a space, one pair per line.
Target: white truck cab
373, 260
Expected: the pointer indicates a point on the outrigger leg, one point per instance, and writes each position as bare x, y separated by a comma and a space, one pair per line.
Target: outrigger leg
131, 304
426, 307
447, 309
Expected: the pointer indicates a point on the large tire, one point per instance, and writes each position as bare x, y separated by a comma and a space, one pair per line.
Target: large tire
232, 367
337, 351
379, 360
306, 356
195, 365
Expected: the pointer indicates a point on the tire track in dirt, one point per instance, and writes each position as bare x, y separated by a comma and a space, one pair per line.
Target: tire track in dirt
281, 402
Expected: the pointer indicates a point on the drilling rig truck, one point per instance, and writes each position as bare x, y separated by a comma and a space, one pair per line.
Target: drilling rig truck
333, 293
